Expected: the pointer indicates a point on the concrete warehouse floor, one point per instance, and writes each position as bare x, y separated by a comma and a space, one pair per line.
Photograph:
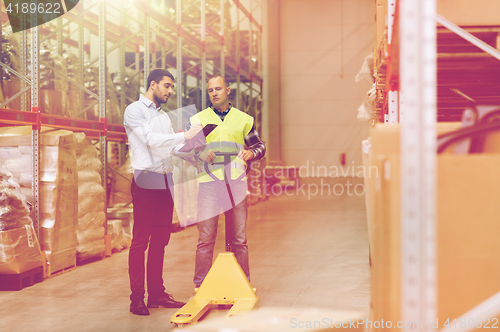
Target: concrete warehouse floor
303, 253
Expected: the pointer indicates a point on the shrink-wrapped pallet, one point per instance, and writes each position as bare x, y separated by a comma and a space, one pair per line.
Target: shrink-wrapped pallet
58, 187
121, 185
91, 201
19, 247
119, 238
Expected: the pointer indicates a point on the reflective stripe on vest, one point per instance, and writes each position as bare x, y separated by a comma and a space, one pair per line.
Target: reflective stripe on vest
228, 136
233, 165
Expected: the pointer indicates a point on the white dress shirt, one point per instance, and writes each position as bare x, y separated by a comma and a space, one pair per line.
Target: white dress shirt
150, 136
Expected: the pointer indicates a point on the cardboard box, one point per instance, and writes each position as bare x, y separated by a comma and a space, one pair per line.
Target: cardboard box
384, 245
468, 250
470, 13
383, 217
468, 217
384, 140
467, 223
19, 250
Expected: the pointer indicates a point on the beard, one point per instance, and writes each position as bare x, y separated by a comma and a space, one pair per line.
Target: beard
160, 99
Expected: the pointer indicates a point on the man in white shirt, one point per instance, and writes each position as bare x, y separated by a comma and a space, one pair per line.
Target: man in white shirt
151, 140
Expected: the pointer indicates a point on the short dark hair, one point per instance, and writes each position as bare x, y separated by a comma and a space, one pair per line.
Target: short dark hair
221, 77
157, 75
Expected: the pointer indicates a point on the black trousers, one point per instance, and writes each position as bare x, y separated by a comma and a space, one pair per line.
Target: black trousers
153, 209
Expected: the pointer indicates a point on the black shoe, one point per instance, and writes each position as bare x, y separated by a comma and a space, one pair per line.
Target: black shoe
139, 308
166, 300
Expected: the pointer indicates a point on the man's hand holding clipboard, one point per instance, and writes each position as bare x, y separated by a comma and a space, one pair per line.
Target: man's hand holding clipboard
199, 140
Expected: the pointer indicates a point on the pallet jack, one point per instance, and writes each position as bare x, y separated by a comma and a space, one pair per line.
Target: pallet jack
225, 283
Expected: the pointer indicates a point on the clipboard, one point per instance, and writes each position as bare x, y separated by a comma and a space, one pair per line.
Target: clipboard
199, 139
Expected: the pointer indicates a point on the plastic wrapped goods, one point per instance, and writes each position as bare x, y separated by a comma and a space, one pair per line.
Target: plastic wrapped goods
19, 250
10, 152
53, 85
58, 187
93, 219
10, 51
19, 247
21, 137
90, 235
89, 163
9, 55
74, 103
91, 195
90, 249
7, 180
14, 211
27, 192
91, 200
119, 239
88, 176
121, 188
15, 169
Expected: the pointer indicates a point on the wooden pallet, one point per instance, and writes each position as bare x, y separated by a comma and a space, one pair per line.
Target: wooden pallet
69, 265
59, 272
15, 282
90, 259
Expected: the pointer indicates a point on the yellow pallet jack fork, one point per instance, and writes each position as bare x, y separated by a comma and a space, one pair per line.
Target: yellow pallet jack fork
225, 284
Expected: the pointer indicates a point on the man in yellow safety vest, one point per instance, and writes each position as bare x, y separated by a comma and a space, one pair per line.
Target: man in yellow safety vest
222, 177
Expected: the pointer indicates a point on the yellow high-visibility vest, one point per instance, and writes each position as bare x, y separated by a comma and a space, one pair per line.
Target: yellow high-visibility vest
228, 136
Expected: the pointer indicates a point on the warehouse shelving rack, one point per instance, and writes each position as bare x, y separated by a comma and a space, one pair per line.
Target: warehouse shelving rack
466, 64
413, 63
174, 40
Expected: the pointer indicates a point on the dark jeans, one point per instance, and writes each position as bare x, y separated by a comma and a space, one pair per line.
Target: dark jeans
153, 209
212, 197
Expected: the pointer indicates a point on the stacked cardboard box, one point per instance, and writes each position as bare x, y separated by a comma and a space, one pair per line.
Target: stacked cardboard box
468, 251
